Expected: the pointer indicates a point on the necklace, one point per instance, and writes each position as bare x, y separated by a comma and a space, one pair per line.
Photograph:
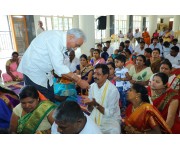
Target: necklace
133, 108
156, 95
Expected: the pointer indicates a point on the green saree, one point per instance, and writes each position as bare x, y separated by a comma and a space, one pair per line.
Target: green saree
29, 123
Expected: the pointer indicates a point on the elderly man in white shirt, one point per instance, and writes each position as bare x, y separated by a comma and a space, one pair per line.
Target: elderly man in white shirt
45, 54
103, 101
174, 57
137, 35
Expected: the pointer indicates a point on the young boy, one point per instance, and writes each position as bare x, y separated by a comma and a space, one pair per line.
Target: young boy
122, 79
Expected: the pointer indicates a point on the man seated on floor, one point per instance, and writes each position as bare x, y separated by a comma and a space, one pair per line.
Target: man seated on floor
70, 119
103, 101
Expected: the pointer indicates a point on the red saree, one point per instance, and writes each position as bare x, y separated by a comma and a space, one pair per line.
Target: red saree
145, 117
162, 104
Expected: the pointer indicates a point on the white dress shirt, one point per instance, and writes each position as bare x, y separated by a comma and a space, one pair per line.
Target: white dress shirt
137, 35
45, 53
138, 51
175, 61
110, 121
158, 45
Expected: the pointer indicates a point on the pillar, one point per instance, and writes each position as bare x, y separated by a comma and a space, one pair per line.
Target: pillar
176, 23
86, 23
109, 26
166, 21
75, 21
176, 27
36, 19
152, 24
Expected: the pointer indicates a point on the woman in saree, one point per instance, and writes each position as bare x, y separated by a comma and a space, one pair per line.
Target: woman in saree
85, 70
166, 100
140, 73
129, 61
8, 100
168, 36
98, 59
32, 115
11, 69
173, 81
141, 116
155, 34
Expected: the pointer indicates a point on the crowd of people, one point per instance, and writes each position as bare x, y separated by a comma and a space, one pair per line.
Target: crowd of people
126, 90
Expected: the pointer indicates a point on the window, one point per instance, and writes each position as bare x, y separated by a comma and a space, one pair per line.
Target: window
5, 34
62, 23
136, 23
171, 19
120, 24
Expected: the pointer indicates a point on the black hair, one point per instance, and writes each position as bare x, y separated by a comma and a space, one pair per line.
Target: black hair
128, 51
142, 90
83, 56
68, 111
112, 64
15, 53
175, 40
108, 42
164, 77
104, 67
143, 57
28, 91
175, 48
97, 50
166, 44
105, 48
127, 41
142, 41
4, 90
99, 45
160, 40
121, 58
148, 50
156, 49
121, 44
167, 62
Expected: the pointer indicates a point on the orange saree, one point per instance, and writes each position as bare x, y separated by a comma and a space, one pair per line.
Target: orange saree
145, 117
146, 38
162, 104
